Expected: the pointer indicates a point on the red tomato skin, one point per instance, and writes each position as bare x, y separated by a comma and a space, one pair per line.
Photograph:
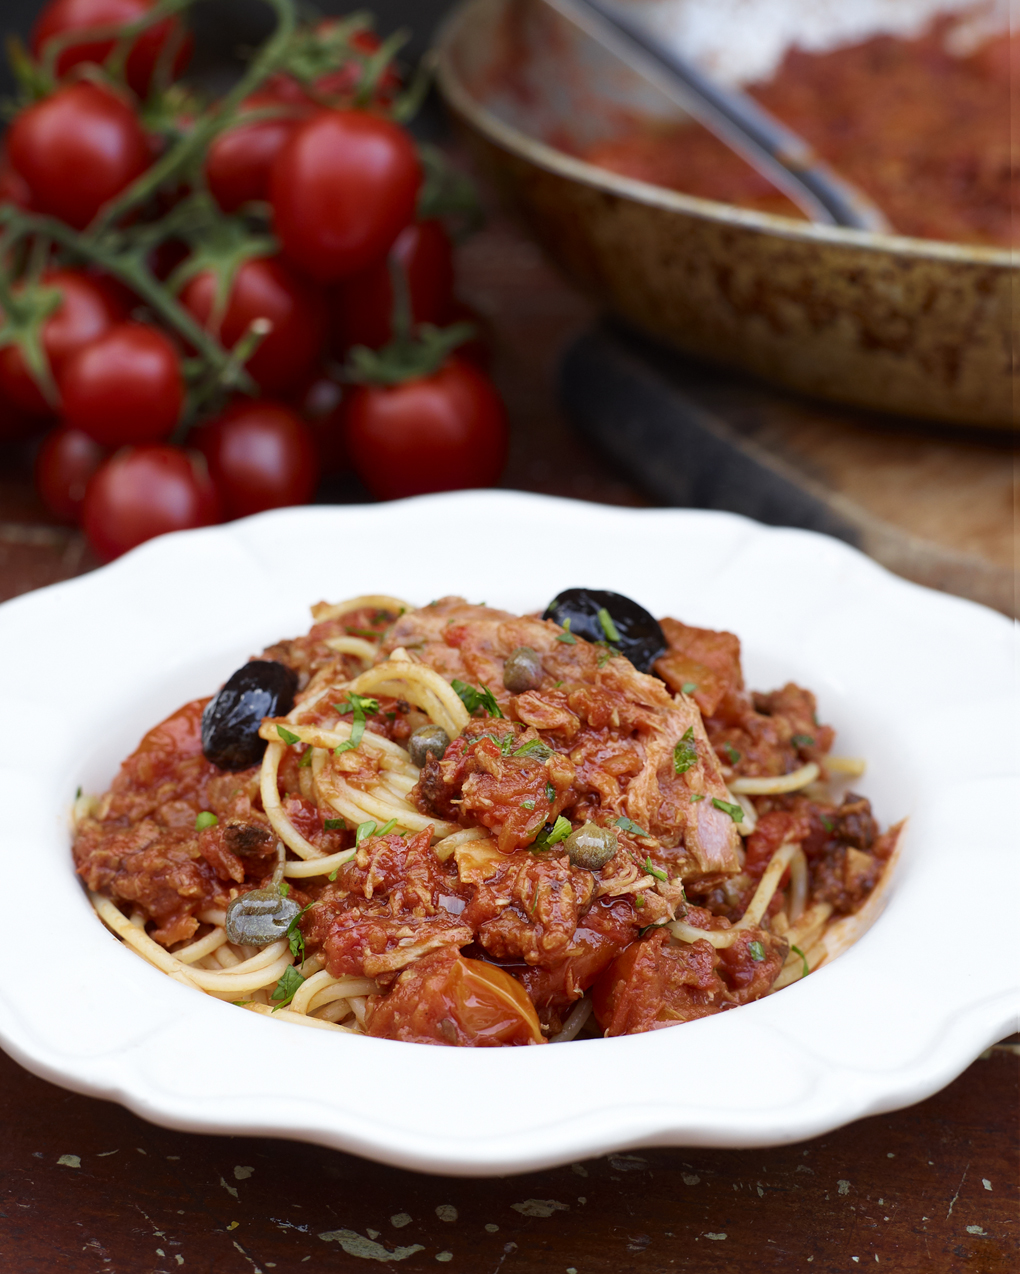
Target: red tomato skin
443, 432
88, 308
61, 16
76, 150
14, 188
320, 402
261, 455
342, 188
66, 461
362, 305
142, 492
240, 160
125, 387
265, 287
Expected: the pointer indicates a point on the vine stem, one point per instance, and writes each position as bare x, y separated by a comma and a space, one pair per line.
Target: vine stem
180, 155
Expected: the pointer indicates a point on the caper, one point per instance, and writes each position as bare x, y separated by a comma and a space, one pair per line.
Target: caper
260, 917
591, 846
426, 739
522, 671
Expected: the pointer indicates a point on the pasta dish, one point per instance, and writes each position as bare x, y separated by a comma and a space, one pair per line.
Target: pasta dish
454, 825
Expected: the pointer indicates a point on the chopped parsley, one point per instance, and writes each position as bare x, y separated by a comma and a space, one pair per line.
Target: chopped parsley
567, 636
473, 699
802, 741
335, 825
288, 986
361, 709
369, 633
364, 831
689, 687
386, 828
698, 796
639, 901
550, 793
628, 826
560, 830
535, 748
828, 824
295, 938
77, 795
527, 805
336, 870
685, 754
608, 627
652, 870
206, 819
306, 759
605, 653
288, 736
736, 812
732, 753
803, 957
757, 952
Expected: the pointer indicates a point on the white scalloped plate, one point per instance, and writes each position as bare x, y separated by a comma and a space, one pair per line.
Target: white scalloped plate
921, 683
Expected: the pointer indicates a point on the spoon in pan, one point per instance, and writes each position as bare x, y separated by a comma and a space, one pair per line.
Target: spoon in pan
777, 152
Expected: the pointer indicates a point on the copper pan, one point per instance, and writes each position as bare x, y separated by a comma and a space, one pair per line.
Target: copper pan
910, 326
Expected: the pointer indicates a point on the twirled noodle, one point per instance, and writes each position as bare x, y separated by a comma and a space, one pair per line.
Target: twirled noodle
391, 755
756, 908
798, 886
322, 611
853, 766
356, 646
418, 684
445, 847
319, 866
576, 1019
776, 784
302, 1019
273, 807
203, 947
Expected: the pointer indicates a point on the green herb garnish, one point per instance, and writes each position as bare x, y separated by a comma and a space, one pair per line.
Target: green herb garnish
206, 819
652, 870
306, 759
365, 830
639, 901
473, 699
535, 748
685, 754
361, 709
803, 957
560, 830
387, 828
689, 687
550, 793
629, 826
732, 753
295, 938
288, 736
757, 952
608, 627
335, 825
698, 796
527, 805
736, 812
567, 636
802, 741
828, 824
287, 987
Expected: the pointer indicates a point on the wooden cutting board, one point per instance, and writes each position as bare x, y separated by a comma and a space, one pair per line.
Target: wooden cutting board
926, 502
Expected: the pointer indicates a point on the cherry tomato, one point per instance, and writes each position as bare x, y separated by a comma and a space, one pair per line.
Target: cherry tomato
344, 80
124, 387
342, 188
441, 432
61, 16
446, 998
76, 150
261, 456
320, 402
363, 304
141, 492
265, 287
239, 161
87, 309
66, 461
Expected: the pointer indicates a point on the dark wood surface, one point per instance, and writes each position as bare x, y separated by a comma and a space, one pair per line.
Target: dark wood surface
87, 1186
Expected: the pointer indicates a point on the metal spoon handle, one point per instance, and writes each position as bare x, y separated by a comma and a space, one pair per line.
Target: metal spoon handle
775, 150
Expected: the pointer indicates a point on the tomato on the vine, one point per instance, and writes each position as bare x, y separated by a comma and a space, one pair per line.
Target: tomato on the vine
13, 187
142, 492
88, 307
66, 461
343, 186
362, 305
240, 159
320, 402
261, 455
124, 387
441, 432
62, 16
266, 288
77, 150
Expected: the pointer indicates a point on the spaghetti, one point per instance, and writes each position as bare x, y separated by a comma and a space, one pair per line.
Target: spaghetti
476, 828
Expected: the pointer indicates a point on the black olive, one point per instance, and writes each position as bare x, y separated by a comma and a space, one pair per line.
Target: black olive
426, 739
260, 917
591, 846
638, 635
230, 722
522, 671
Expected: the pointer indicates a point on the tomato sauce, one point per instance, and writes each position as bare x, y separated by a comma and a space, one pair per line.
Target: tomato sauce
923, 131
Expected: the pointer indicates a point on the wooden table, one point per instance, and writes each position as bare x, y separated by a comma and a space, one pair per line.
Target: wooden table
86, 1186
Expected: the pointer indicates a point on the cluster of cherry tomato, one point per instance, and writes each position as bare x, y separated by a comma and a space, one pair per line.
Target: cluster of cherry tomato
210, 305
